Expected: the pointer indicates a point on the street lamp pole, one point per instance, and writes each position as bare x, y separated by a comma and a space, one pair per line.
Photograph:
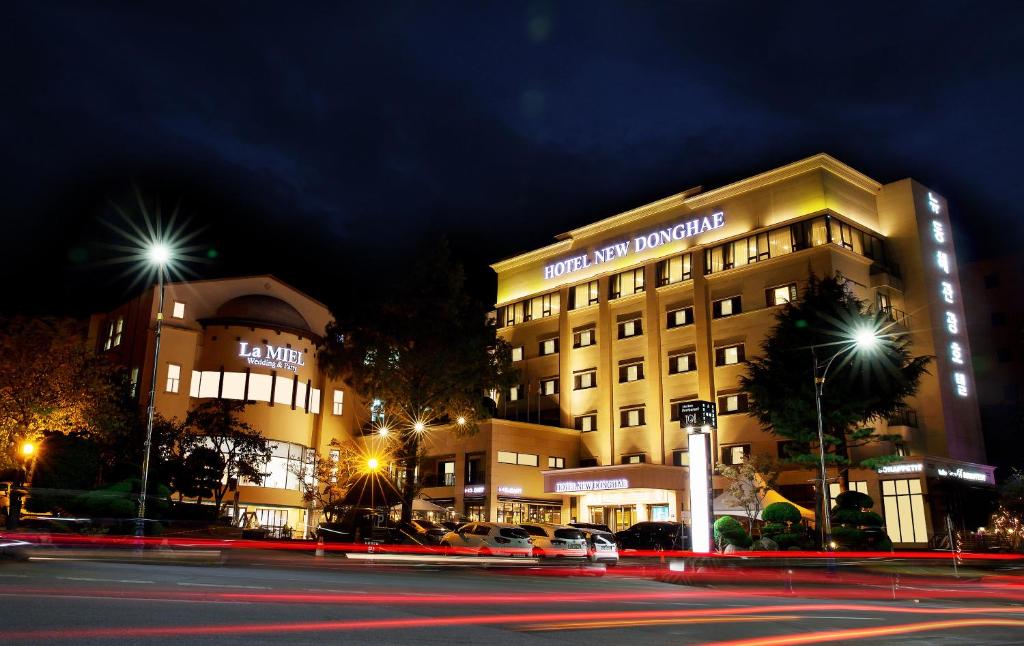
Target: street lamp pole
159, 254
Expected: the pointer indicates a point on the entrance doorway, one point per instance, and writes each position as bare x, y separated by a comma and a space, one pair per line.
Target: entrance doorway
617, 518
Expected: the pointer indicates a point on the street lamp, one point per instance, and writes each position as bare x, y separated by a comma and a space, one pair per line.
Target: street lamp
372, 464
28, 449
864, 338
159, 255
419, 427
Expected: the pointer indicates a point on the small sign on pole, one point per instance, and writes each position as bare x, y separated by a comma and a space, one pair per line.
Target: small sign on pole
698, 418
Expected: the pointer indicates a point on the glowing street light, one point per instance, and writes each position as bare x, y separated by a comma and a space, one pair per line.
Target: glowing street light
159, 253
28, 449
372, 464
461, 421
419, 427
863, 339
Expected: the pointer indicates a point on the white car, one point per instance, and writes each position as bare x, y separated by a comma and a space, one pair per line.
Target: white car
601, 547
556, 541
489, 539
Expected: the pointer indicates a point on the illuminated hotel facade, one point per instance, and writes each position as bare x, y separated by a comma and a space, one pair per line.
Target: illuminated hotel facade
618, 322
253, 339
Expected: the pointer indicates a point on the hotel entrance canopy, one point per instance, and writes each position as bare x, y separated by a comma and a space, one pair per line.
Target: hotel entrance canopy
614, 477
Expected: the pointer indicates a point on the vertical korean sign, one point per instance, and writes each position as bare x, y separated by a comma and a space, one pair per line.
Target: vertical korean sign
951, 337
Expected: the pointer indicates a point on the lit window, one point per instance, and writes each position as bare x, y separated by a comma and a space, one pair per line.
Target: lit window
173, 377
110, 336
630, 328
730, 404
515, 393
735, 454
626, 283
506, 457
377, 412
584, 338
586, 423
633, 459
118, 329
528, 459
903, 504
583, 295
781, 295
631, 372
682, 363
585, 379
556, 463
726, 307
339, 402
178, 311
548, 346
729, 355
680, 317
681, 458
549, 386
632, 417
517, 353
134, 381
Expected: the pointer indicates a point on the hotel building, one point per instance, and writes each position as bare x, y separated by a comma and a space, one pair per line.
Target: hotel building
619, 321
251, 339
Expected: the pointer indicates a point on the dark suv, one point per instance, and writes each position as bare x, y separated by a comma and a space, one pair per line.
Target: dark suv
653, 535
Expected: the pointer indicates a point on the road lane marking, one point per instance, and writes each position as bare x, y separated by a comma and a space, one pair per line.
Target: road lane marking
16, 576
86, 578
226, 585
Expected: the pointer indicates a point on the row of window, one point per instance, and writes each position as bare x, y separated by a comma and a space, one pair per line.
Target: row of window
115, 329
789, 238
524, 459
632, 416
674, 318
252, 387
631, 370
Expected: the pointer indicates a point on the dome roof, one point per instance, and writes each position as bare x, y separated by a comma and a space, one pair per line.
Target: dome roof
259, 309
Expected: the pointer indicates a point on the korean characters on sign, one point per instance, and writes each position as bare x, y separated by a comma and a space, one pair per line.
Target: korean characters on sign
954, 330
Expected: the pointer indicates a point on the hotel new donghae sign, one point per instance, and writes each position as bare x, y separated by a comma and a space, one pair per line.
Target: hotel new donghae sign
591, 485
270, 356
639, 243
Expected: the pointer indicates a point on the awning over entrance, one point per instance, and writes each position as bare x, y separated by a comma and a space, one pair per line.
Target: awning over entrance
726, 505
618, 476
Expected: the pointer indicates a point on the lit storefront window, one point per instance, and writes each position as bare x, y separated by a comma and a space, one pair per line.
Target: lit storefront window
903, 504
516, 512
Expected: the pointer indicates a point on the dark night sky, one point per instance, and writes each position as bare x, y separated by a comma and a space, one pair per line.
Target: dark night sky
320, 143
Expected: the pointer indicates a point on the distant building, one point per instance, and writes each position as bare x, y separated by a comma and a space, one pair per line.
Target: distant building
252, 339
995, 318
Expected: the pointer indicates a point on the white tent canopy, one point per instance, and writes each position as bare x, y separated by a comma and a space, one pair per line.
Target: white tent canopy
726, 505
419, 504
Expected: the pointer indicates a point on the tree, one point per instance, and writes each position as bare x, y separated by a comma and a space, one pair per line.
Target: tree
729, 531
325, 480
51, 381
862, 388
424, 353
750, 482
220, 450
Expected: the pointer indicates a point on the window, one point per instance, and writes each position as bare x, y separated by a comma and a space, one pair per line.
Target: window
636, 458
446, 473
515, 393
517, 353
583, 295
549, 386
134, 382
846, 236
680, 317
680, 363
584, 338
855, 485
173, 377
729, 355
588, 462
585, 379
548, 346
631, 371
903, 505
377, 412
726, 307
556, 463
178, 310
736, 454
730, 404
533, 308
335, 457
681, 458
629, 417
118, 329
339, 402
780, 295
287, 466
674, 270
523, 459
110, 336
586, 423
626, 283
633, 327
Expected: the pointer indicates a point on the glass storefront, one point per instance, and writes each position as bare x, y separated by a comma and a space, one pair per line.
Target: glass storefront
617, 518
522, 511
476, 510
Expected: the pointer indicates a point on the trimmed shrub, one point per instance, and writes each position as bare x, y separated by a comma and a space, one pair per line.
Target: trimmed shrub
771, 529
781, 512
854, 500
871, 519
729, 531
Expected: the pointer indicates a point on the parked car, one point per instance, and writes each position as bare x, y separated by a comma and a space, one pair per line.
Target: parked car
485, 539
427, 531
597, 526
601, 547
653, 535
556, 541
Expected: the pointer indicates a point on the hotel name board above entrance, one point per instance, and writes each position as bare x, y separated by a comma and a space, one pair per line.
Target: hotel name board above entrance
635, 244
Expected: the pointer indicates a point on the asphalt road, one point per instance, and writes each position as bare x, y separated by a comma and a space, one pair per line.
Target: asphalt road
302, 600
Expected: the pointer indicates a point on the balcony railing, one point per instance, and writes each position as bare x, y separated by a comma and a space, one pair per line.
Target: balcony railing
904, 417
897, 316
